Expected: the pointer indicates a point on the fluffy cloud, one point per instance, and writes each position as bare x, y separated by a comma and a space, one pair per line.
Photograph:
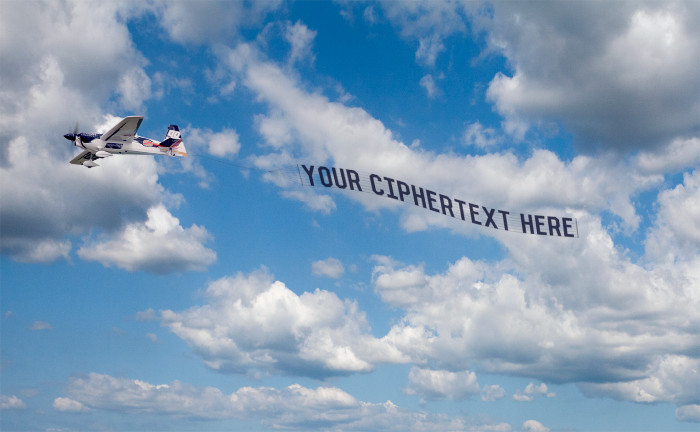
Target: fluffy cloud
301, 38
303, 126
11, 403
534, 426
688, 413
293, 407
671, 378
330, 267
159, 245
677, 155
442, 384
475, 134
47, 88
531, 391
69, 405
212, 21
559, 316
629, 81
491, 393
251, 322
223, 144
428, 23
676, 234
87, 62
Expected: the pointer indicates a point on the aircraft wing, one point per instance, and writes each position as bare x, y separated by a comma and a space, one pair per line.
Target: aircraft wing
124, 132
86, 155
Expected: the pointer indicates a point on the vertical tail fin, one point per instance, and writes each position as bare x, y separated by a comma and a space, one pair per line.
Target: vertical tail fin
173, 140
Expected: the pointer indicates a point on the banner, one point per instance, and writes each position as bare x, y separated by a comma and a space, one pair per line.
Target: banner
386, 187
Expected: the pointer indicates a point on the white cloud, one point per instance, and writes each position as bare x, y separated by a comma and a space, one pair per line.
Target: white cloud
146, 315
442, 384
534, 426
676, 234
294, 407
531, 391
671, 378
549, 299
134, 89
251, 322
11, 403
428, 49
688, 413
311, 127
40, 325
69, 405
87, 62
316, 202
428, 83
213, 21
330, 267
48, 87
225, 144
428, 23
679, 154
490, 393
301, 38
159, 245
632, 84
475, 134
538, 323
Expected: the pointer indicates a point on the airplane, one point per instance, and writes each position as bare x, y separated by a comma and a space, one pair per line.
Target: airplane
122, 139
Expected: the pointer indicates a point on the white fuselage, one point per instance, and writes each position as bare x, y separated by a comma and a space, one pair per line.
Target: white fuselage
140, 145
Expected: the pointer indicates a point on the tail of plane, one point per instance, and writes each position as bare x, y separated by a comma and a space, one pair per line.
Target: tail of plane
173, 140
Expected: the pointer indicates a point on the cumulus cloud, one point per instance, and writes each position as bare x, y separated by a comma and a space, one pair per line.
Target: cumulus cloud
134, 89
554, 320
677, 155
442, 384
48, 88
629, 81
11, 403
475, 134
671, 378
534, 426
531, 391
295, 406
69, 405
311, 127
490, 393
428, 24
688, 413
330, 267
225, 144
211, 22
675, 236
548, 299
251, 322
159, 245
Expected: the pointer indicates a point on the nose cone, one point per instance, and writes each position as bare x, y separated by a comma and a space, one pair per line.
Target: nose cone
69, 136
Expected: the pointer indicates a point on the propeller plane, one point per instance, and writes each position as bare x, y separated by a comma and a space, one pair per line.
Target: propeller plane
122, 139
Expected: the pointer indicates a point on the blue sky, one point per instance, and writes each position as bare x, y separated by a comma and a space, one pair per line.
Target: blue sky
213, 293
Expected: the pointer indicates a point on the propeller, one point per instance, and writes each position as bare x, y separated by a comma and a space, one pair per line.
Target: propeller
72, 136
